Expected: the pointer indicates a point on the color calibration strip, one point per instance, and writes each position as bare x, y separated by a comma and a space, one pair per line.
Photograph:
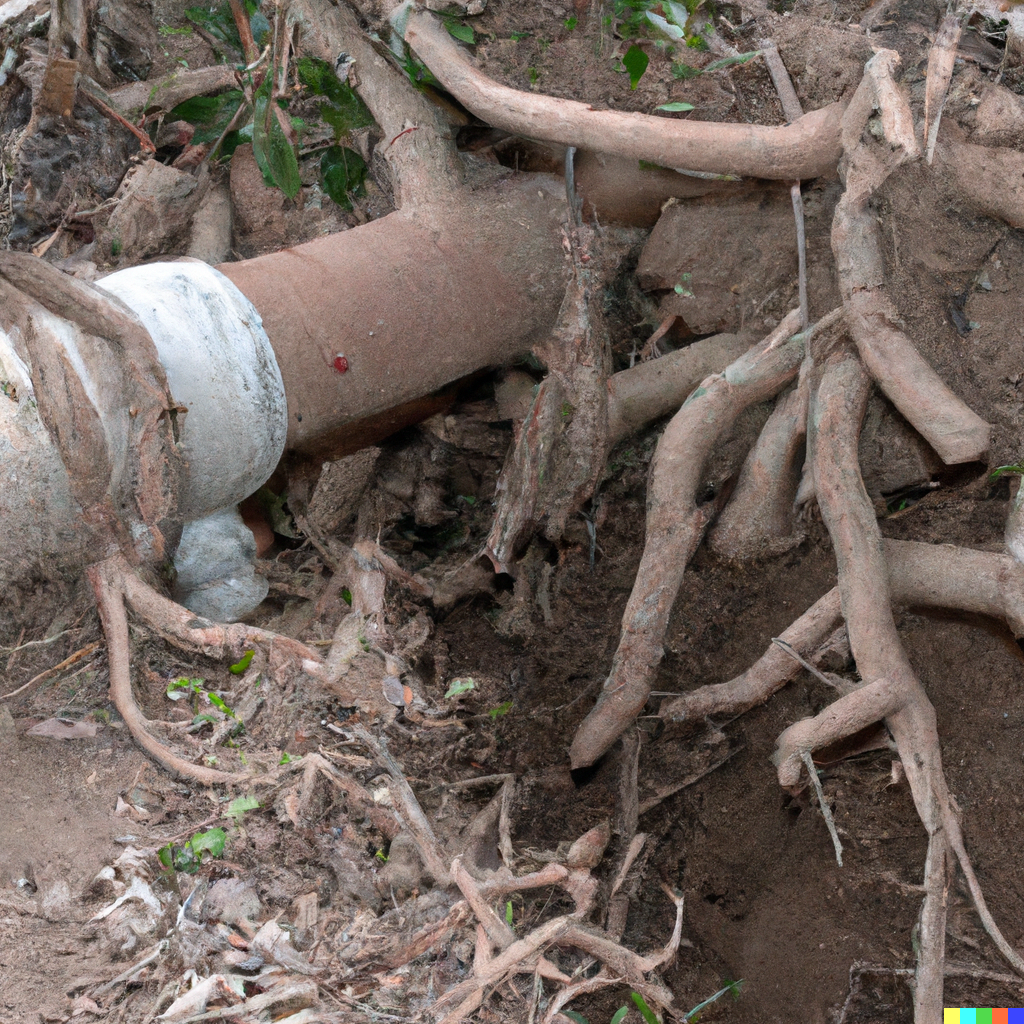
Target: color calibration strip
989, 1016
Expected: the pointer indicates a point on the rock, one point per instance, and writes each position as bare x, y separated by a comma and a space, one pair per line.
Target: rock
154, 213
211, 226
1000, 118
215, 562
233, 901
724, 256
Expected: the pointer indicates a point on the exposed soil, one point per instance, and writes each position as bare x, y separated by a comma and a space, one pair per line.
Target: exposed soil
766, 901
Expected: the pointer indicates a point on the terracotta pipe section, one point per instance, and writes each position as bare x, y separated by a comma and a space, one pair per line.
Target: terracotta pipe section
368, 324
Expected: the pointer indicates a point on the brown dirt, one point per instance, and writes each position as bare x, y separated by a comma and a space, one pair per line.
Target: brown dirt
766, 901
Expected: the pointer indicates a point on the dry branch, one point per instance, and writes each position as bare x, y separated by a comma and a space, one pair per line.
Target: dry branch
806, 149
675, 526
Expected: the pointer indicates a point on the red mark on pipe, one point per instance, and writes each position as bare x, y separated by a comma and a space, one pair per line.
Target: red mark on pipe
340, 364
414, 128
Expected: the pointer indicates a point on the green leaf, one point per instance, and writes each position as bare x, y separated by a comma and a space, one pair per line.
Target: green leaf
346, 596
344, 111
730, 986
218, 22
342, 172
274, 153
1005, 469
242, 664
645, 1011
178, 688
220, 705
676, 108
200, 719
740, 58
287, 758
508, 913
580, 1019
166, 856
619, 1015
211, 842
240, 805
461, 32
457, 687
502, 709
635, 62
684, 71
210, 114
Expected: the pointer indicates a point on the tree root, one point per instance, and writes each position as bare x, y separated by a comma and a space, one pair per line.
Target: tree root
759, 518
955, 432
675, 526
863, 584
114, 582
920, 576
110, 602
806, 149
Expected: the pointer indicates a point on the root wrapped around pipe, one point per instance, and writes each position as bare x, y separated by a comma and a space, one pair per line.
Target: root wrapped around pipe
806, 149
675, 527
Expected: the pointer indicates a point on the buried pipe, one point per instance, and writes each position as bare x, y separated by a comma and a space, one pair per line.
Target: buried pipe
309, 353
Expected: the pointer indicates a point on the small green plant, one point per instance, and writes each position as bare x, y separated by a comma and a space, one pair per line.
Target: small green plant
196, 691
240, 806
458, 687
502, 709
258, 111
508, 913
189, 857
683, 286
520, 36
635, 62
571, 22
287, 758
534, 75
464, 33
649, 1016
1002, 470
116, 247
167, 30
242, 664
731, 987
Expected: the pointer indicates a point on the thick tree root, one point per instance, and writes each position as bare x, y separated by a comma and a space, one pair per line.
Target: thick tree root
955, 432
806, 149
759, 519
920, 576
863, 585
675, 527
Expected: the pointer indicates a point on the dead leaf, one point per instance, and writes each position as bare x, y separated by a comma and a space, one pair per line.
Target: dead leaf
58, 729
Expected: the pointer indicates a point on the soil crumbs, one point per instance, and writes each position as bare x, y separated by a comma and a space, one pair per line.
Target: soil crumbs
766, 901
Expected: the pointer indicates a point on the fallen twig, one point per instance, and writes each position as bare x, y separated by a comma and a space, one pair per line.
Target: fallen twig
48, 673
416, 821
